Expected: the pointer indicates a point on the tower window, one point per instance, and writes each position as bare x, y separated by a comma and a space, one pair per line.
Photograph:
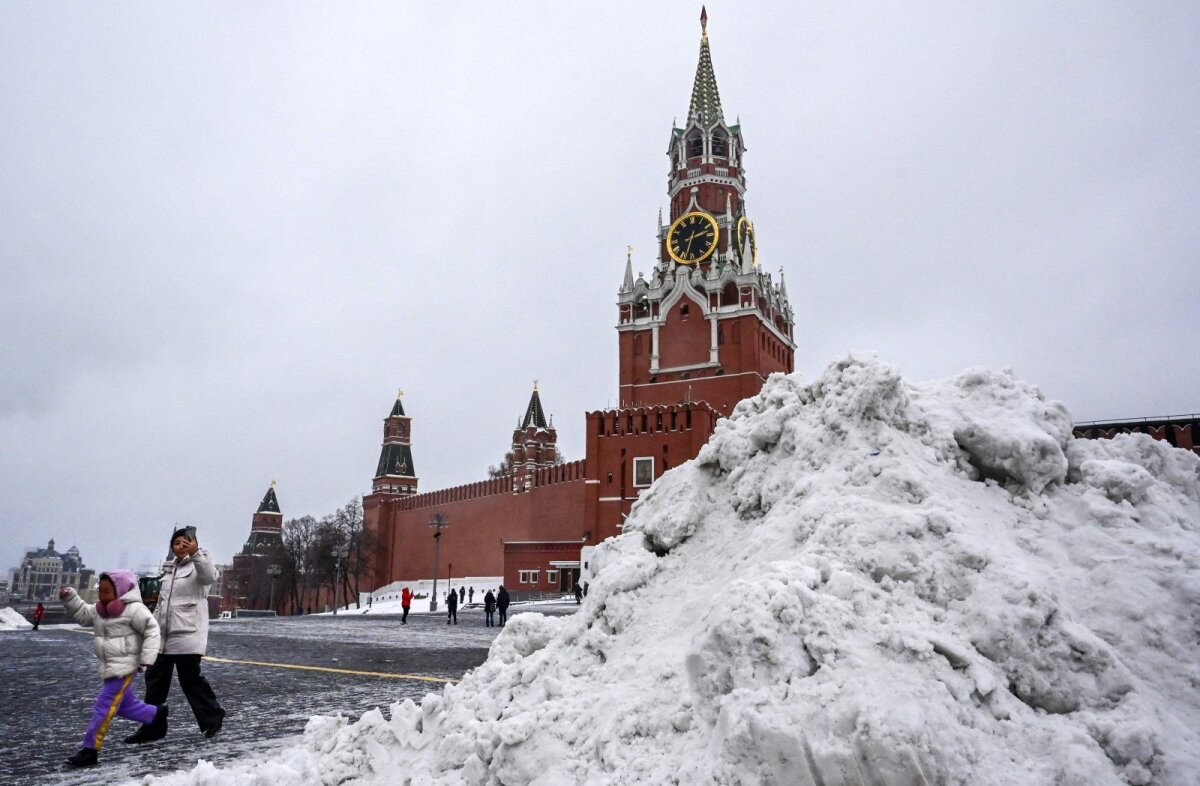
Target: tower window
695, 145
683, 312
720, 145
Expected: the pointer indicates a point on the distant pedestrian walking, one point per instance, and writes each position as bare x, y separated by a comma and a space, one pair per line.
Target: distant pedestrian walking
38, 613
502, 604
489, 610
406, 597
578, 594
182, 614
126, 638
462, 595
471, 594
452, 608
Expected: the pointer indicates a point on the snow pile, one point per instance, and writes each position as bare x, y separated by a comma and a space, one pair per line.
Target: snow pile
859, 580
10, 619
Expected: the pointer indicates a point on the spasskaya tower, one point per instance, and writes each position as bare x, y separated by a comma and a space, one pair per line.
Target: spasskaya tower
708, 324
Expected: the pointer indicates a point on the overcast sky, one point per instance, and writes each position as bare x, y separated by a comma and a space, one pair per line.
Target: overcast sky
230, 231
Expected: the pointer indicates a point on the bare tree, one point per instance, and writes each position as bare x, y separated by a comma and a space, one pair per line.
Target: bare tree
310, 553
329, 539
299, 557
503, 468
360, 544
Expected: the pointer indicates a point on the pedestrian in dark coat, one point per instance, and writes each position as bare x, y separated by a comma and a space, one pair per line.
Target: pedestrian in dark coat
38, 613
452, 608
502, 604
406, 596
462, 595
578, 594
489, 610
471, 594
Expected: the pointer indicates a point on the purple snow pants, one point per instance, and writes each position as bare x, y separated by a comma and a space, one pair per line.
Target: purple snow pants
115, 698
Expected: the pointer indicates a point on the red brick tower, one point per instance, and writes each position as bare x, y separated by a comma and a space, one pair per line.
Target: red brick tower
247, 584
395, 474
709, 324
534, 443
266, 525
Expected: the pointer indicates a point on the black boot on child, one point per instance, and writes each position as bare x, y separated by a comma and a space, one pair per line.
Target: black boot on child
154, 730
84, 757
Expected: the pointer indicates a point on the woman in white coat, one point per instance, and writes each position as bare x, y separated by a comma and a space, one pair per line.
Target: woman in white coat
182, 616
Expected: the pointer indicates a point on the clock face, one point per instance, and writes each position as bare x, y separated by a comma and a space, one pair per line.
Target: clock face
745, 239
692, 238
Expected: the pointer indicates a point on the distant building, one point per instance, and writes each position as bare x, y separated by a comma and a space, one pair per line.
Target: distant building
218, 587
44, 571
1181, 431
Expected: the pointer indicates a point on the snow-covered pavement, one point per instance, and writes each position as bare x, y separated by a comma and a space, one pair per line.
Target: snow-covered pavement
52, 681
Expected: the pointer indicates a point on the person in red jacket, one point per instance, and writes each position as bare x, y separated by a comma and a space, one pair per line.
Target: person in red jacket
38, 613
406, 597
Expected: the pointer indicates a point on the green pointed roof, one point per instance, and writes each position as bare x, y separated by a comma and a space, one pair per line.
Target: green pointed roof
706, 99
396, 460
534, 416
398, 407
269, 503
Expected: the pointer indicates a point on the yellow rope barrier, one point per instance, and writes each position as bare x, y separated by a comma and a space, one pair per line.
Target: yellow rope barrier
331, 670
328, 669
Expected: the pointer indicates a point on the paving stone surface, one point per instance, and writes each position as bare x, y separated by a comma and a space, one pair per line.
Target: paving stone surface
51, 679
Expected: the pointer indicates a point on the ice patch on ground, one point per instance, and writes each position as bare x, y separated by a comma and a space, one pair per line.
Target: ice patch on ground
859, 580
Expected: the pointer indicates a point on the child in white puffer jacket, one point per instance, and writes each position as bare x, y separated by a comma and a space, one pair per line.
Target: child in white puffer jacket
126, 639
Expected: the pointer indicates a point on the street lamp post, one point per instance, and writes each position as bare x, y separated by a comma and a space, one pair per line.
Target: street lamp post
340, 552
438, 522
273, 571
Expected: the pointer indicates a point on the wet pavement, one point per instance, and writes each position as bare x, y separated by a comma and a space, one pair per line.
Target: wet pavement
51, 679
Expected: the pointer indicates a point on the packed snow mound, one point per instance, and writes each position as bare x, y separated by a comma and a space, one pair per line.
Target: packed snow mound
859, 580
11, 619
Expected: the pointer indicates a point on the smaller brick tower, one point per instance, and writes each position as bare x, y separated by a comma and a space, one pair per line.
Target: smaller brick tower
395, 474
534, 443
248, 582
266, 525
